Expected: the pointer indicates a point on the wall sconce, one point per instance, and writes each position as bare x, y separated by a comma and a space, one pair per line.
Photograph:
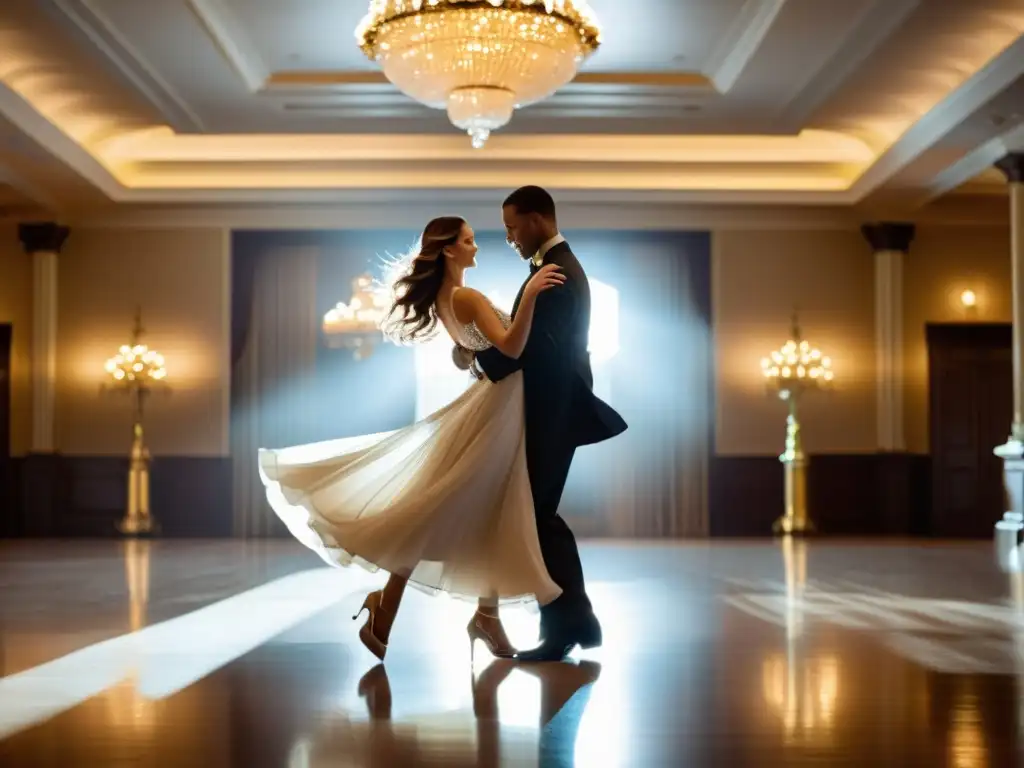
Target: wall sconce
790, 372
136, 370
969, 303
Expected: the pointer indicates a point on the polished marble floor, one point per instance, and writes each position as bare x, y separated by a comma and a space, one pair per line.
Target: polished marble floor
768, 653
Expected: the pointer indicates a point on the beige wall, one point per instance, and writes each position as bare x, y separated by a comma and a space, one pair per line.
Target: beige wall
757, 279
16, 308
942, 263
181, 278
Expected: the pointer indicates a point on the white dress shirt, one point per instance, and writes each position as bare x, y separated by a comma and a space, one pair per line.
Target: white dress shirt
538, 257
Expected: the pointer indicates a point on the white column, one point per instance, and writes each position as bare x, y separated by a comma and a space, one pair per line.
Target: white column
1017, 279
890, 241
1008, 530
43, 242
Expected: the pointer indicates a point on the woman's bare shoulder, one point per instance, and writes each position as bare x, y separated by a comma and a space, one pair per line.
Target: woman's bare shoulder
466, 302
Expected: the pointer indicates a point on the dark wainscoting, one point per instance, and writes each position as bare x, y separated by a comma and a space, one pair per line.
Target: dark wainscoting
881, 494
84, 496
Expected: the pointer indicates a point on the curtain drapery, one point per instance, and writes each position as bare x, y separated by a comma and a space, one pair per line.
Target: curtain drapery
651, 482
274, 340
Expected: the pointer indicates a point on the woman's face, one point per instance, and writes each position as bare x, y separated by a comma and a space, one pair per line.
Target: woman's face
462, 252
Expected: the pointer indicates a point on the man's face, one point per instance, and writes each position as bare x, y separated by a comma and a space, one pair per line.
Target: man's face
520, 231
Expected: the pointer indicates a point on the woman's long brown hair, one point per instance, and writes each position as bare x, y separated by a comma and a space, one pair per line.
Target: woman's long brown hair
413, 316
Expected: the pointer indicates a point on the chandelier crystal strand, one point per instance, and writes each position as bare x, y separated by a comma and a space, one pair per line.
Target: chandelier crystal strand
479, 59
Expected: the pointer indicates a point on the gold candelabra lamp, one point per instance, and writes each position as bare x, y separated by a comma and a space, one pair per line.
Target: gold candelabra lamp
136, 370
790, 372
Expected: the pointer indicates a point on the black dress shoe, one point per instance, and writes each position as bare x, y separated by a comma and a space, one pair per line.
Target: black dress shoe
559, 641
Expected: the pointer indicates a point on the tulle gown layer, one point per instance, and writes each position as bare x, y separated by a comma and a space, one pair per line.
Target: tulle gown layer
446, 500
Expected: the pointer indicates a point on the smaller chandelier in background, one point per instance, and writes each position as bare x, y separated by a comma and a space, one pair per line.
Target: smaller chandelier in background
356, 324
479, 59
795, 367
136, 364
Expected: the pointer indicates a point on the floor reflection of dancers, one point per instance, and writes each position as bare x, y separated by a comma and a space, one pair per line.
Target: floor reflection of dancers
564, 694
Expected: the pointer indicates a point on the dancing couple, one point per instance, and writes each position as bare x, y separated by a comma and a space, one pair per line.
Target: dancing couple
466, 500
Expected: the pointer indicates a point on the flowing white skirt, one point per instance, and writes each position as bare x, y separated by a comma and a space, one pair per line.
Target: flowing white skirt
445, 501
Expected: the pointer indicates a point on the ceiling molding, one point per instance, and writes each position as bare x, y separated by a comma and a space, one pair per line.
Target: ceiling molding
378, 209
735, 51
332, 195
806, 147
876, 25
972, 164
972, 96
89, 20
675, 99
49, 137
382, 212
226, 32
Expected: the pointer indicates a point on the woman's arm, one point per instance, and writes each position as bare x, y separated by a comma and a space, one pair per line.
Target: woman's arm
470, 306
552, 316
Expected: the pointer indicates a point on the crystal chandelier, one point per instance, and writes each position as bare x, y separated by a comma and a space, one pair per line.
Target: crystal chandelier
356, 325
479, 59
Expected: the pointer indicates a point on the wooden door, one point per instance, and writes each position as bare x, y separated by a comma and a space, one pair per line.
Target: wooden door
7, 508
970, 373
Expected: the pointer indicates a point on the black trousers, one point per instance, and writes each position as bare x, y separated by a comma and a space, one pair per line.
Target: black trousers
548, 466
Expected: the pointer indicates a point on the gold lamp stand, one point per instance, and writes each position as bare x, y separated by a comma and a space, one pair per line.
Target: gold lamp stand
794, 519
137, 520
790, 372
135, 369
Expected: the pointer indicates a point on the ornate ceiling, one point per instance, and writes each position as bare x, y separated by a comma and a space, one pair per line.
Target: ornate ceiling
866, 103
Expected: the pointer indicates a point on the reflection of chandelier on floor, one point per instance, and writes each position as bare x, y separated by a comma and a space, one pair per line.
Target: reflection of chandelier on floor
356, 325
479, 59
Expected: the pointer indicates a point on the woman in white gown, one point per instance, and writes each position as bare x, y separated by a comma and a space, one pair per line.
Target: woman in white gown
445, 503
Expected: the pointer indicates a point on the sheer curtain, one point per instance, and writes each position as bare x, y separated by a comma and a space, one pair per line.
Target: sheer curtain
274, 339
651, 482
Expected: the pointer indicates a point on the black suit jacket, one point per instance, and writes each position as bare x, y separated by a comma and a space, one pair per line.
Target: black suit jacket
561, 408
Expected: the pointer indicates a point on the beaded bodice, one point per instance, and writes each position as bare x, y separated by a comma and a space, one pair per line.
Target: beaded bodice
472, 337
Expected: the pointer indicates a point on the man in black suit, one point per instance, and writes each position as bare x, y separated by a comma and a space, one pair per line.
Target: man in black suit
562, 411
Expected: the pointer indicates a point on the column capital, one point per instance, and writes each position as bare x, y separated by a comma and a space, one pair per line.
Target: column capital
1012, 166
42, 236
888, 235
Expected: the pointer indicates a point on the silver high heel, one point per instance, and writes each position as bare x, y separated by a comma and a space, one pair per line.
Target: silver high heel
498, 645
